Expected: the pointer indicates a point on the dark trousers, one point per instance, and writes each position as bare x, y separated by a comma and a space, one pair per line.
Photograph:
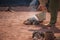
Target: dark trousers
53, 7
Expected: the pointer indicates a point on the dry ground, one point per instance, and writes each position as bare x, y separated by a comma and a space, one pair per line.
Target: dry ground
12, 27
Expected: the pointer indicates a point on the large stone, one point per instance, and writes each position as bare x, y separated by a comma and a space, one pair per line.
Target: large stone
43, 34
31, 21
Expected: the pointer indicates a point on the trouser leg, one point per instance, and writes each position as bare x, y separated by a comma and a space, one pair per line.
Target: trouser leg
53, 17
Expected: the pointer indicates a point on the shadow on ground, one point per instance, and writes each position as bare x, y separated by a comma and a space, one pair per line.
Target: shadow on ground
54, 29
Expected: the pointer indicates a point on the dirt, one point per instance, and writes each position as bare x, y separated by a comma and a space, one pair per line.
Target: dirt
12, 27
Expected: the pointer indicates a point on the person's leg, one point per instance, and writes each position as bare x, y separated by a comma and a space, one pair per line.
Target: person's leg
53, 7
53, 17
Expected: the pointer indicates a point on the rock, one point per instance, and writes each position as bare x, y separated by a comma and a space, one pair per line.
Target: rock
31, 21
43, 35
